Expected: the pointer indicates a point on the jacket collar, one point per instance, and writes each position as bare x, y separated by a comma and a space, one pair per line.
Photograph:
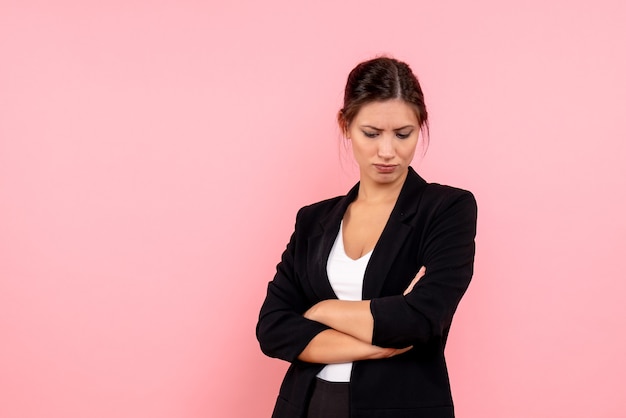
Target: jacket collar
397, 229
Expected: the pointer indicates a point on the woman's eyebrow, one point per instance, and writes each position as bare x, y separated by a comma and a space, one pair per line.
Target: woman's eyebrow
379, 129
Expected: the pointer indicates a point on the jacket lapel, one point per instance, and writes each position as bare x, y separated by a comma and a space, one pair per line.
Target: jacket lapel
383, 256
394, 235
321, 242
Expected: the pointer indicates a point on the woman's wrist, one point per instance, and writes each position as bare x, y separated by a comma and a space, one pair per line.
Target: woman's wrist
314, 313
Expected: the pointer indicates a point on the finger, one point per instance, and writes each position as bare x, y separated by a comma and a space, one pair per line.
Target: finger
418, 276
408, 289
421, 272
403, 350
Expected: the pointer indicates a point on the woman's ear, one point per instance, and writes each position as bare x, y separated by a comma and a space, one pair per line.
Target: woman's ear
342, 124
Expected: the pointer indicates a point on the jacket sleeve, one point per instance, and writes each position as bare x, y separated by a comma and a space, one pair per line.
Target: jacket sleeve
448, 254
282, 331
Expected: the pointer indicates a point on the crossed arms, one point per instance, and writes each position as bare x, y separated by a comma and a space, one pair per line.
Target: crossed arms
349, 337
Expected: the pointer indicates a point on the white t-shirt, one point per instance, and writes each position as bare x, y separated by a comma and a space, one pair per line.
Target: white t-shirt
346, 278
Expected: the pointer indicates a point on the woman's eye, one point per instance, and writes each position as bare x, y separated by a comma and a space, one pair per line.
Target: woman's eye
370, 134
402, 135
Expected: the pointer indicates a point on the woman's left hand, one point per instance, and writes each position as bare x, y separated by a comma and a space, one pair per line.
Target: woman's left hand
416, 279
349, 317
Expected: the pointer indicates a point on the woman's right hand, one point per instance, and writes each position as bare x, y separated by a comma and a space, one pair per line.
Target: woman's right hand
416, 279
331, 346
390, 352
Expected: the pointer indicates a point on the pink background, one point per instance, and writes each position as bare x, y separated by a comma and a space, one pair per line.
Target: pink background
153, 155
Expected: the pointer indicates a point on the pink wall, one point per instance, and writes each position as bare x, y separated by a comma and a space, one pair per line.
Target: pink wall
153, 156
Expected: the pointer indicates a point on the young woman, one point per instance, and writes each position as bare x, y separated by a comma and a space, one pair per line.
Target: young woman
363, 298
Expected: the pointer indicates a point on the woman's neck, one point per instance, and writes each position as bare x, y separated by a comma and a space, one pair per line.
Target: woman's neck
375, 193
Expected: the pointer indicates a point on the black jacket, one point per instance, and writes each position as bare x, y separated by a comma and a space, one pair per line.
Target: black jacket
430, 225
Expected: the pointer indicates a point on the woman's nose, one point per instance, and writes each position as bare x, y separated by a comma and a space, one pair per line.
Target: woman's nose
385, 148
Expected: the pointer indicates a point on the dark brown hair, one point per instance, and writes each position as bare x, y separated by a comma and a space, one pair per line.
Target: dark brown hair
381, 79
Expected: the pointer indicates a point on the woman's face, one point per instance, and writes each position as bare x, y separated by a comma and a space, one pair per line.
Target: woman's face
384, 136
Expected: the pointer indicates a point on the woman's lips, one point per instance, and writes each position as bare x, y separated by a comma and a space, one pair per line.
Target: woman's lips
385, 168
